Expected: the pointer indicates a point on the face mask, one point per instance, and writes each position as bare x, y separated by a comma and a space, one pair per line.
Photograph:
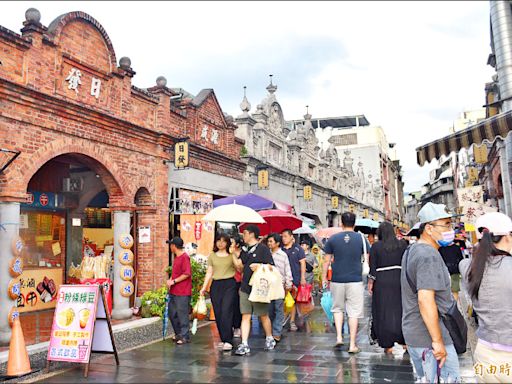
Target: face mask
447, 239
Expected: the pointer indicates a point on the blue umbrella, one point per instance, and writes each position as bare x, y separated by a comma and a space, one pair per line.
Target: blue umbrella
366, 225
166, 316
326, 303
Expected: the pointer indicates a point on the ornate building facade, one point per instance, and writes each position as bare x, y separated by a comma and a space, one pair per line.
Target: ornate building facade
294, 158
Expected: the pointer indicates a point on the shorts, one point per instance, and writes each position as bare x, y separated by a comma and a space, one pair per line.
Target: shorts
455, 282
349, 297
248, 307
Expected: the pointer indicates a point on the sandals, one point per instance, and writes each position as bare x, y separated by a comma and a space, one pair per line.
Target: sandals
354, 351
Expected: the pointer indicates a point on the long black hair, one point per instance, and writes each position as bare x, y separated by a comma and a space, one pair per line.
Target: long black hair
482, 254
386, 234
222, 236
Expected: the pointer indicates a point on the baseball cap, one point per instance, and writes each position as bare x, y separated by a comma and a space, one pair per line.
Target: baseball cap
177, 241
497, 223
432, 212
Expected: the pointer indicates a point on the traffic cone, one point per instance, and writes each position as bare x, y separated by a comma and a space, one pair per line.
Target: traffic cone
18, 363
212, 314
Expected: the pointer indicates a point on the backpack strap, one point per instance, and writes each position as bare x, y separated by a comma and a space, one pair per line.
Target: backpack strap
409, 280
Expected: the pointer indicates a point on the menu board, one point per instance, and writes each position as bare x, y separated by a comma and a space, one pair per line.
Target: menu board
73, 323
39, 289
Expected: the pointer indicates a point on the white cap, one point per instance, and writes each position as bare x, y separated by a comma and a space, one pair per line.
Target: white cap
497, 223
432, 212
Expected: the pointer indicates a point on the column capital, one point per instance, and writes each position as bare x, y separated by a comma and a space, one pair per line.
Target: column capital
122, 208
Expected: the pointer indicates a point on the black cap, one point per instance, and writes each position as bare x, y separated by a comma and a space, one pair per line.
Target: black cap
177, 241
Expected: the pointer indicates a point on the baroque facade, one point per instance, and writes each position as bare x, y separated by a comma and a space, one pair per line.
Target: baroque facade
293, 155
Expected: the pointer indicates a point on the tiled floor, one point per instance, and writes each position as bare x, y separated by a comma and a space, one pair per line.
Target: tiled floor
306, 356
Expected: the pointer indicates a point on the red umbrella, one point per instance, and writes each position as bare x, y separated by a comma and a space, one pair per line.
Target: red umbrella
275, 221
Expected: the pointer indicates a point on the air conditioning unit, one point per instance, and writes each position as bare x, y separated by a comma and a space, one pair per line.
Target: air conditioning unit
70, 184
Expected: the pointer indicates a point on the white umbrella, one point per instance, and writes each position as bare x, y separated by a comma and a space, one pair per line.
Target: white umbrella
234, 213
304, 230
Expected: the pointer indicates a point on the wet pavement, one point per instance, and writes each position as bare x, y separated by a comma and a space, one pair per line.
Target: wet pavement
303, 356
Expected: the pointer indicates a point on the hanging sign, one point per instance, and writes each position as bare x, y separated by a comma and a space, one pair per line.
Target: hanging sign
17, 245
126, 240
308, 193
376, 216
181, 159
125, 257
335, 202
80, 325
15, 267
126, 289
263, 178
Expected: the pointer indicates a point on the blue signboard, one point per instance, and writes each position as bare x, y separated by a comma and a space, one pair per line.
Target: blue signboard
43, 200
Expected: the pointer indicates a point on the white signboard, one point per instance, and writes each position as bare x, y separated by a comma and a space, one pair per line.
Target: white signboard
470, 195
144, 235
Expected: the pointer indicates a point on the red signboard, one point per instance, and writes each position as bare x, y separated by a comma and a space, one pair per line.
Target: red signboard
43, 199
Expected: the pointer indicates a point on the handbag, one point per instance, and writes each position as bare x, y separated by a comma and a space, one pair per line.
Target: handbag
276, 286
260, 282
452, 319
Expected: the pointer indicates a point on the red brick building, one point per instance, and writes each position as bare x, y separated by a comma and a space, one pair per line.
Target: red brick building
93, 160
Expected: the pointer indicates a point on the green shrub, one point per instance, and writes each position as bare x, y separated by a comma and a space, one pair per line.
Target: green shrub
198, 274
157, 299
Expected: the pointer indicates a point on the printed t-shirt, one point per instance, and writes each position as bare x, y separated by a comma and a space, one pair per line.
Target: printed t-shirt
180, 267
347, 249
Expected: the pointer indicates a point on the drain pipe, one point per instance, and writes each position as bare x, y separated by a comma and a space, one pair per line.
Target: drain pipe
501, 24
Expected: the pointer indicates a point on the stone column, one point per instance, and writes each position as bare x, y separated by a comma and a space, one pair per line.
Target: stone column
121, 306
9, 229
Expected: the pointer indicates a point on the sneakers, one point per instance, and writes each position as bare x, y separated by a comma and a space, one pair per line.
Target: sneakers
227, 347
293, 327
242, 349
237, 333
270, 343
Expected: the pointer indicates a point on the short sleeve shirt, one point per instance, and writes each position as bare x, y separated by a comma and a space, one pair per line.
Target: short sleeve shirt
295, 255
258, 253
347, 249
223, 267
180, 267
427, 270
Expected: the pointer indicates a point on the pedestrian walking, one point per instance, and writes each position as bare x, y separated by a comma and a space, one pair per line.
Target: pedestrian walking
297, 259
311, 261
221, 269
346, 286
452, 255
236, 249
281, 262
486, 277
317, 252
384, 286
180, 290
426, 293
253, 255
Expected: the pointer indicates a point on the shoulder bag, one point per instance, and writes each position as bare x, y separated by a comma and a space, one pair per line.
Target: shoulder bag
452, 319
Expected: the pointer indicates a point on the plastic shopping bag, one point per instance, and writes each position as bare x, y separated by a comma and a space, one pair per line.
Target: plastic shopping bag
326, 303
304, 293
288, 303
305, 309
200, 307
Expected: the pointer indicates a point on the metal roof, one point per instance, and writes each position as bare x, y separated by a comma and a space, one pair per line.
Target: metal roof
338, 122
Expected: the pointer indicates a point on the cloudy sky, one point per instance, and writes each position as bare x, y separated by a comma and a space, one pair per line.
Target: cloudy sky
410, 67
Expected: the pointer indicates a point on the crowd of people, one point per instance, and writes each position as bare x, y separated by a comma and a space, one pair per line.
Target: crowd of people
414, 286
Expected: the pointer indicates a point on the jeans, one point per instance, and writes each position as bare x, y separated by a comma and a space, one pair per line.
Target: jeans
425, 365
223, 293
179, 307
276, 314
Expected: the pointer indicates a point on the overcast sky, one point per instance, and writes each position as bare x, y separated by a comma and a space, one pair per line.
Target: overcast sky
410, 67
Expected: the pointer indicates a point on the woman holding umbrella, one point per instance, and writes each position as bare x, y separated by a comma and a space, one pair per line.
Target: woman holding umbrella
384, 286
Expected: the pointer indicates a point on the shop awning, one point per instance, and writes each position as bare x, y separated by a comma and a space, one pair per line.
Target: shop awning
485, 131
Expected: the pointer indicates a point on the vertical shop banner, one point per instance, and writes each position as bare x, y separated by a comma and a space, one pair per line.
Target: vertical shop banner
80, 325
39, 289
194, 231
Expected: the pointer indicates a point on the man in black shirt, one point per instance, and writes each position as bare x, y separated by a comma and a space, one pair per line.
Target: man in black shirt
253, 255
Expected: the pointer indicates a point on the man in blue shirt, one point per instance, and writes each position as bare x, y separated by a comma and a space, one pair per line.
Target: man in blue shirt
348, 248
297, 259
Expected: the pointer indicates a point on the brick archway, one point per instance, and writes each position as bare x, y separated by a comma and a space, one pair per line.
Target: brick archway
91, 154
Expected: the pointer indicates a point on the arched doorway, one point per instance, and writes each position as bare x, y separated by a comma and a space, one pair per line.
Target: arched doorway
67, 230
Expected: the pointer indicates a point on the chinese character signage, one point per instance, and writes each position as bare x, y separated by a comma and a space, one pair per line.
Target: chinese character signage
73, 323
38, 289
308, 193
44, 200
181, 154
197, 235
263, 179
192, 202
335, 202
366, 213
480, 153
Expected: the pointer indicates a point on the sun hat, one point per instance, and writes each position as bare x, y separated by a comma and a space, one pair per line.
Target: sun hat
432, 212
496, 223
